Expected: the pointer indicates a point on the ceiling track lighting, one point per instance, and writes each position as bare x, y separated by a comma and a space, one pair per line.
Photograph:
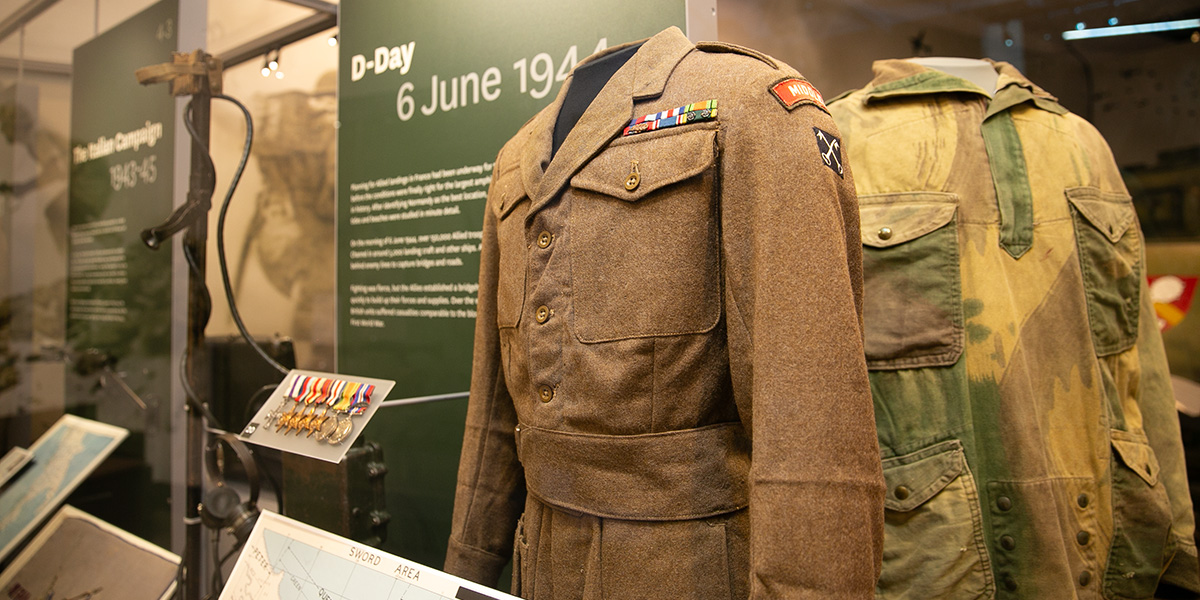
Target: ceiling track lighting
271, 65
1080, 33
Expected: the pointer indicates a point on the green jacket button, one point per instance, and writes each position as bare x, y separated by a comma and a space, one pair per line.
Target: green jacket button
902, 492
1004, 503
1083, 537
1009, 583
1007, 542
885, 233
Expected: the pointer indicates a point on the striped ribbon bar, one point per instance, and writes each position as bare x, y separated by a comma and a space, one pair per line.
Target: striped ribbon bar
362, 401
297, 386
688, 113
336, 392
347, 396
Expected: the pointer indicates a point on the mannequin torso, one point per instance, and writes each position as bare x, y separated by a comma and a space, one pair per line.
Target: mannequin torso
978, 72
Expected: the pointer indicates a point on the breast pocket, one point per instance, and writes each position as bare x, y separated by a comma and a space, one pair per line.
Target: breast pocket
1110, 256
644, 238
912, 299
510, 235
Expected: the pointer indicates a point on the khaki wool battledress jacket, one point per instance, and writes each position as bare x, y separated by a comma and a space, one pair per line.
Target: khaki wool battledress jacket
669, 389
1030, 441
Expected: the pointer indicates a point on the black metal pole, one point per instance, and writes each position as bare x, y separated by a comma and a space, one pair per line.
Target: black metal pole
195, 240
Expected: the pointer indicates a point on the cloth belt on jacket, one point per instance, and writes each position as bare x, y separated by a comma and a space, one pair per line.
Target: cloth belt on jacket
676, 475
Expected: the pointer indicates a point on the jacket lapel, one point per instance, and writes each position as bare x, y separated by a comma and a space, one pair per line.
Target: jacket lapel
644, 76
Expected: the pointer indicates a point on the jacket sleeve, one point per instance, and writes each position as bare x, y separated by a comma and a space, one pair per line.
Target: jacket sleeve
793, 289
1146, 363
1161, 422
490, 490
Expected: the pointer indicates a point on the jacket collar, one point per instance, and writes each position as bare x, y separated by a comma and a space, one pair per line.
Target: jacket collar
643, 76
897, 77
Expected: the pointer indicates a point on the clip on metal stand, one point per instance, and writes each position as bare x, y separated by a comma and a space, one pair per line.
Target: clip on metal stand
196, 74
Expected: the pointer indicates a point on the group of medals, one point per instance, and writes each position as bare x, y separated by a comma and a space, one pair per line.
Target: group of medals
313, 399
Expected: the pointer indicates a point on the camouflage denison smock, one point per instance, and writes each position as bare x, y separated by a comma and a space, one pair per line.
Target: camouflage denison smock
1025, 417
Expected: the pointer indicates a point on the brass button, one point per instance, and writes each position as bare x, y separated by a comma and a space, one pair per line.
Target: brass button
1007, 542
885, 233
902, 492
632, 181
543, 314
1082, 500
1004, 503
544, 239
1083, 537
545, 393
1085, 578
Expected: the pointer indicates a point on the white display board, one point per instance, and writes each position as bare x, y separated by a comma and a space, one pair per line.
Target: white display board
285, 559
77, 555
317, 414
62, 458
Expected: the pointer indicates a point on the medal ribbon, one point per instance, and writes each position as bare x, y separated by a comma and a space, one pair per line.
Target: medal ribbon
688, 113
362, 401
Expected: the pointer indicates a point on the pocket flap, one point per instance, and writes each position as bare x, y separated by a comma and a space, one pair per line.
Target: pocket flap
886, 220
510, 190
914, 478
658, 162
1136, 453
1111, 213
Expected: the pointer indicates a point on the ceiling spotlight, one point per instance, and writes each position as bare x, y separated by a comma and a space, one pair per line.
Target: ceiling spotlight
266, 69
333, 40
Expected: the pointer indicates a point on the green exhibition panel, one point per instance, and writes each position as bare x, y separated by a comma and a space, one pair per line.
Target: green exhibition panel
428, 92
118, 290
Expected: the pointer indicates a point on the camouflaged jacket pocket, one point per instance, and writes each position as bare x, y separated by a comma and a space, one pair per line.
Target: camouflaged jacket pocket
510, 235
1141, 520
933, 528
1110, 256
912, 298
645, 258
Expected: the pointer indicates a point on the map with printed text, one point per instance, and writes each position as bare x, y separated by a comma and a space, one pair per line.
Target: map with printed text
285, 559
62, 458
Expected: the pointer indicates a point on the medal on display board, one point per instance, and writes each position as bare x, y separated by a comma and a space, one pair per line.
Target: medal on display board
316, 414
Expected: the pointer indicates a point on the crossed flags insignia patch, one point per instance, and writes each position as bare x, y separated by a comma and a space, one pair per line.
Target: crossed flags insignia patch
831, 151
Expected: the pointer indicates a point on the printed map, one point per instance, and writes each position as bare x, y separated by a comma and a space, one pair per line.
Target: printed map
288, 560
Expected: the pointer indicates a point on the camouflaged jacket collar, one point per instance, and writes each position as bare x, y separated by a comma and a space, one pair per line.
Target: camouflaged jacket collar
898, 77
643, 76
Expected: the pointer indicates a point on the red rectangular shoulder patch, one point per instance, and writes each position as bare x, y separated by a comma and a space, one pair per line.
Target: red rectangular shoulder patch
793, 92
